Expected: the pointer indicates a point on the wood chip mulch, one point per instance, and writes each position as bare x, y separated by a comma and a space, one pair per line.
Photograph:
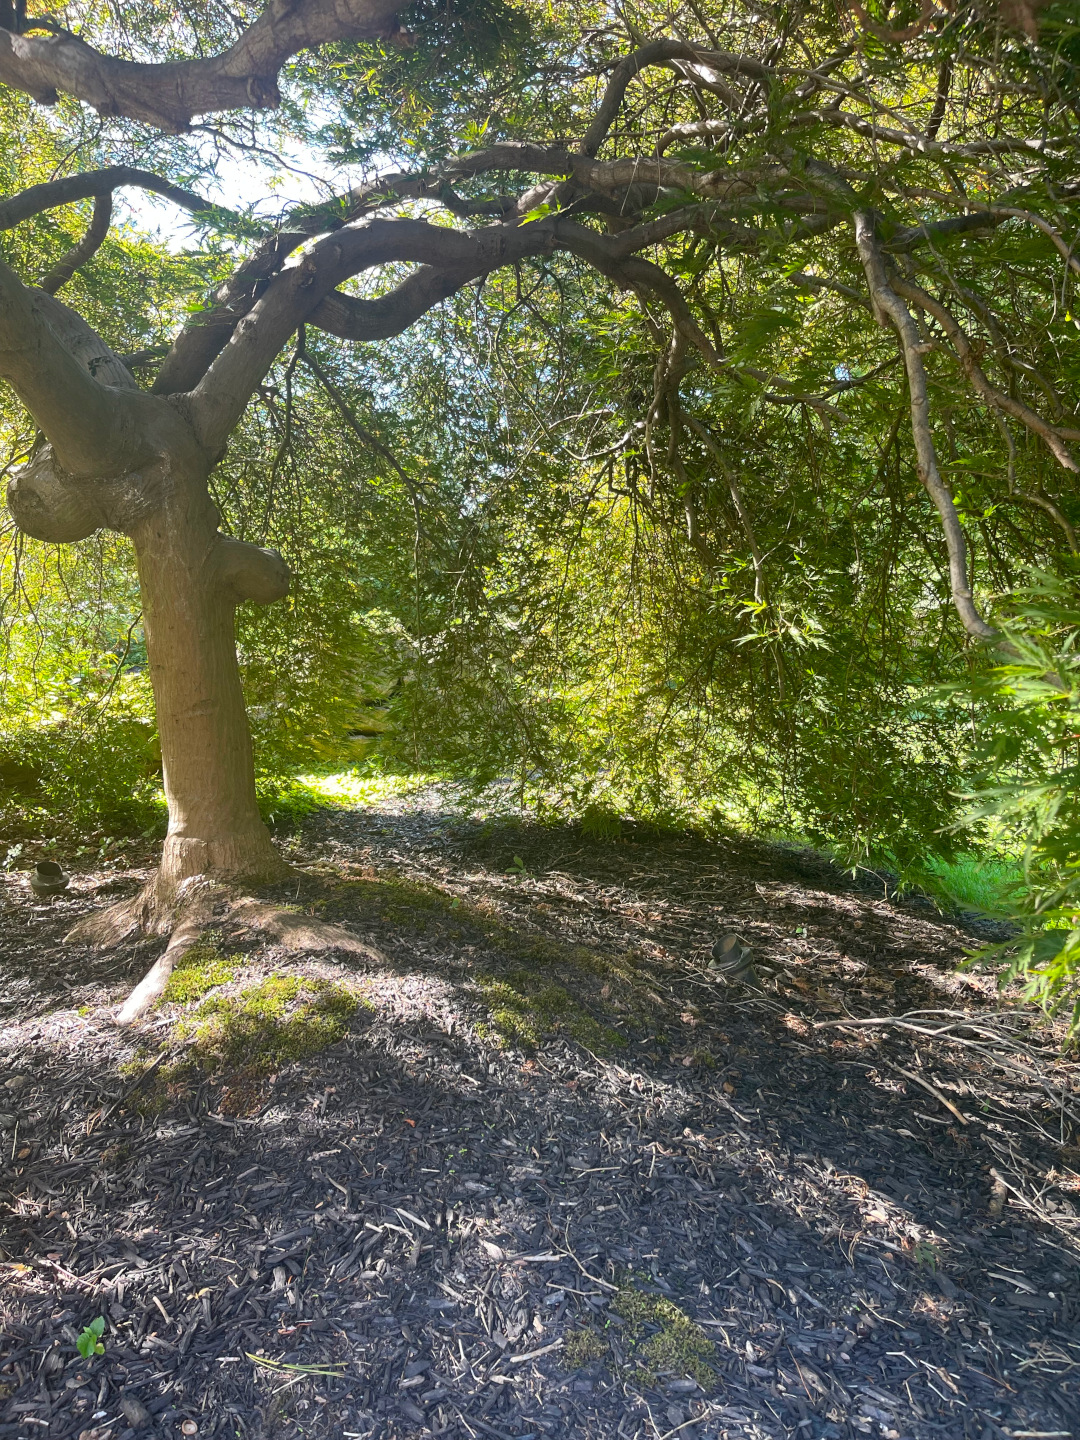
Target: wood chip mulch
746, 1213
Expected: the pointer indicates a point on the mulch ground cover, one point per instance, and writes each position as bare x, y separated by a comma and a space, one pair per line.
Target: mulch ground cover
538, 1171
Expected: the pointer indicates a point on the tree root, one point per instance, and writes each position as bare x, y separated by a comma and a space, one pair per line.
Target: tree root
152, 986
298, 932
197, 906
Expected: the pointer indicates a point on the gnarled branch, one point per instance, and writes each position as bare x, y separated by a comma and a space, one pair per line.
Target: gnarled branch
169, 95
94, 183
77, 412
990, 393
87, 247
675, 53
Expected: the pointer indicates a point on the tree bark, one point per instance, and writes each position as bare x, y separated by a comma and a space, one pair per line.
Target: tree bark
192, 578
169, 95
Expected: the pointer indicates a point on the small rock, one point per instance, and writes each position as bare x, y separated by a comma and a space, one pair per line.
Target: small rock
675, 1414
17, 1082
135, 1412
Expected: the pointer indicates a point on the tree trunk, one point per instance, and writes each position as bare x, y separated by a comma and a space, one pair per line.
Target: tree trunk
114, 457
191, 578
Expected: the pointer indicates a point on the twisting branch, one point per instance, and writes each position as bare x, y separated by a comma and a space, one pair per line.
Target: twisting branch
941, 99
928, 13
889, 309
924, 144
169, 95
1041, 501
81, 417
675, 53
1065, 251
94, 183
87, 247
207, 333
990, 393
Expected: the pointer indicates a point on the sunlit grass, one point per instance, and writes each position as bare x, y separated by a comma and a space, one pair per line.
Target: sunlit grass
360, 787
974, 882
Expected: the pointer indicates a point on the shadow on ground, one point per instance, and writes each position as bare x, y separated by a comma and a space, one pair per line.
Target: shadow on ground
550, 1177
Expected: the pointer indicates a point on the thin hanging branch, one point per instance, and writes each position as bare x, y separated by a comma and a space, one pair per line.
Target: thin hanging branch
891, 310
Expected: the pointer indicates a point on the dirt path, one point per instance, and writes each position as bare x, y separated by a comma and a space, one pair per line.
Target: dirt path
550, 1177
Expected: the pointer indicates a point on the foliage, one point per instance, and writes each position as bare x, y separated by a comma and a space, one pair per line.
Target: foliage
972, 881
1030, 786
539, 547
285, 801
88, 1342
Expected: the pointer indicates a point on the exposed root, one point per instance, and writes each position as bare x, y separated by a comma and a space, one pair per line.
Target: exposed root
299, 932
106, 928
151, 987
197, 905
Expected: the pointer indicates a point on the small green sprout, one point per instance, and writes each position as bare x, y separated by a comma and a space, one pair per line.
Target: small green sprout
89, 1342
926, 1255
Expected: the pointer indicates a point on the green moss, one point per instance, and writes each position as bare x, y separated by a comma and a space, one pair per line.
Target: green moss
526, 1011
242, 1038
198, 970
663, 1338
424, 907
168, 1082
582, 1346
281, 1019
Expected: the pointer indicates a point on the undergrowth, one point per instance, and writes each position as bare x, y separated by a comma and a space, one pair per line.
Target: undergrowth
988, 884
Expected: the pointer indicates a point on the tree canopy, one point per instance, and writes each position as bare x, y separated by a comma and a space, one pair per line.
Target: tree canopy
652, 403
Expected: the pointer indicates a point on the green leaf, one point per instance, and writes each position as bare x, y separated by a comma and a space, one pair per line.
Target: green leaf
89, 1342
538, 213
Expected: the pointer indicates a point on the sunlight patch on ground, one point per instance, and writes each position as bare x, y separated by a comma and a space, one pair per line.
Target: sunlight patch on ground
353, 787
